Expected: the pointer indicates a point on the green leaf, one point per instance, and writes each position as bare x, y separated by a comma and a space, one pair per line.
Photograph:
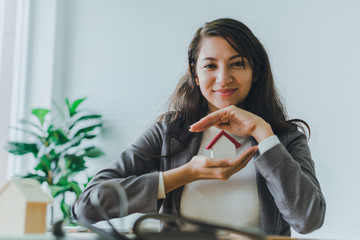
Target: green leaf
40, 113
21, 148
44, 165
53, 156
57, 136
74, 142
74, 163
65, 209
87, 129
50, 128
68, 105
72, 107
56, 190
76, 189
90, 136
88, 180
76, 104
63, 181
74, 121
93, 152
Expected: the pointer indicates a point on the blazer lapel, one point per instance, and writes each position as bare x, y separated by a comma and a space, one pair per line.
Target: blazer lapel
182, 151
184, 147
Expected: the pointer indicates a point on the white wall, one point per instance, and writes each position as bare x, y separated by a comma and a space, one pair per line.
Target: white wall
127, 57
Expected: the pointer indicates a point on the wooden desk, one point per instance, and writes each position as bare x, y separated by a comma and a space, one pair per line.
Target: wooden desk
289, 238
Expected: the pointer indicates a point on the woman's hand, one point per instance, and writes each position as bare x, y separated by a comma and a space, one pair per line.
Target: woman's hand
201, 168
237, 121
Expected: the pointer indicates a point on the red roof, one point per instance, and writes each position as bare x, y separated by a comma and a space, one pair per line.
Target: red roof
223, 133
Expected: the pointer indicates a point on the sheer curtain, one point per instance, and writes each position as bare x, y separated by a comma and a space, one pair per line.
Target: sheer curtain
7, 43
27, 74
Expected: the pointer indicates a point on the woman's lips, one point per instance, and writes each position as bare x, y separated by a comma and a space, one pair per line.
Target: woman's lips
225, 92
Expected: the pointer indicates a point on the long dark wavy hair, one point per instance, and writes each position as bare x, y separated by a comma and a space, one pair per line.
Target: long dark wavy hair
262, 100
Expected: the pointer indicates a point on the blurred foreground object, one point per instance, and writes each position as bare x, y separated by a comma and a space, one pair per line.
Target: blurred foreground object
23, 207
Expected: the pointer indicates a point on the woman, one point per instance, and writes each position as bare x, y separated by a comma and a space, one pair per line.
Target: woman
271, 184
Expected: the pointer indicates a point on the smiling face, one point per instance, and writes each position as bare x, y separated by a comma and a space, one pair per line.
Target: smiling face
224, 76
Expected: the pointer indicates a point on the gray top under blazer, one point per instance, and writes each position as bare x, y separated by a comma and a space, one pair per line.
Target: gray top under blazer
289, 192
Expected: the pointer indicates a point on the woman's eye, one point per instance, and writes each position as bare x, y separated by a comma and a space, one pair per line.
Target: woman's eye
210, 66
238, 64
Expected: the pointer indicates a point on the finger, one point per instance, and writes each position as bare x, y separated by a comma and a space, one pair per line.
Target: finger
247, 154
224, 173
221, 173
210, 120
218, 162
245, 161
242, 162
204, 124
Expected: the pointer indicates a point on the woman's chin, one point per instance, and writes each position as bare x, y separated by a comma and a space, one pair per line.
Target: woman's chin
213, 108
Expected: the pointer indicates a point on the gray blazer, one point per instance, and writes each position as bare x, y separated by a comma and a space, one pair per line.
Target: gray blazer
289, 192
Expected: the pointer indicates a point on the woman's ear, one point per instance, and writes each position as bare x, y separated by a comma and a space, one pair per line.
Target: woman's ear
193, 73
197, 81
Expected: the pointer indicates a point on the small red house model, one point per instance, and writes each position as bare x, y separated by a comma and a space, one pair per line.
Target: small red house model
223, 146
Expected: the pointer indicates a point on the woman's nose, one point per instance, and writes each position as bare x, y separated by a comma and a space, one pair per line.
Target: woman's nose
223, 76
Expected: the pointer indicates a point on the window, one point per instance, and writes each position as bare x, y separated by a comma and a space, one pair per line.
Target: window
13, 19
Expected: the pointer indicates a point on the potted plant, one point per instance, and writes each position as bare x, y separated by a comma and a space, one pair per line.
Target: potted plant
60, 147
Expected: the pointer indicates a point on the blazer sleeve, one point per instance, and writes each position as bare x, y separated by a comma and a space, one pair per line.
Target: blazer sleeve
137, 170
289, 172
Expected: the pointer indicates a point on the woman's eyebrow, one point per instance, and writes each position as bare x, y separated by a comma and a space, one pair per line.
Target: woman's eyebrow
214, 59
209, 59
236, 56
